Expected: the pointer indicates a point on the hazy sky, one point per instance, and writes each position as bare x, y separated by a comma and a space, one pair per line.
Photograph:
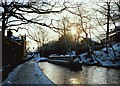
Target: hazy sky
53, 35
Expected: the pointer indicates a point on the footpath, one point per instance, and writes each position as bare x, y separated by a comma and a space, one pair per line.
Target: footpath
27, 73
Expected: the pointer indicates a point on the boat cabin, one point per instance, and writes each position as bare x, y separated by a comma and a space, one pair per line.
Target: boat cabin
62, 57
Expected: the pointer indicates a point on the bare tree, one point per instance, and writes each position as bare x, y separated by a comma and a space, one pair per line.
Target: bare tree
80, 12
16, 13
63, 24
117, 9
110, 14
83, 19
40, 35
106, 17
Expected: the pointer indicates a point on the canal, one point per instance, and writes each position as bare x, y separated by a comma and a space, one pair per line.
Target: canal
88, 74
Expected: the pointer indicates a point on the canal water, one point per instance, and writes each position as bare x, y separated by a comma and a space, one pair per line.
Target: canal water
88, 74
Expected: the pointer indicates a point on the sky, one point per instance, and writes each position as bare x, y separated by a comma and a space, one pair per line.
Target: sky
53, 35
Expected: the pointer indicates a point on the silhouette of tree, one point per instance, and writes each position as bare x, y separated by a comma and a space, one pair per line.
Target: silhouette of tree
16, 13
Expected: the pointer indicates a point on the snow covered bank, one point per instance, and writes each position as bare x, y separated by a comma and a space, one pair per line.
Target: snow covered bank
37, 58
27, 73
112, 59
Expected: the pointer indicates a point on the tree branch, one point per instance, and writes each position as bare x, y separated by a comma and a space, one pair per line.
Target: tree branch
15, 24
100, 23
40, 12
13, 21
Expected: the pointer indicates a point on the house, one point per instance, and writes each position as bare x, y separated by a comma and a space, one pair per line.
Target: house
114, 36
13, 52
13, 49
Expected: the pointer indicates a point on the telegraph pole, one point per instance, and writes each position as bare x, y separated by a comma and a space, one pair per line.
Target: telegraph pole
3, 18
108, 17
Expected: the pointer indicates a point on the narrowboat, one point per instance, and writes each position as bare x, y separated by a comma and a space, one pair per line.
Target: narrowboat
70, 61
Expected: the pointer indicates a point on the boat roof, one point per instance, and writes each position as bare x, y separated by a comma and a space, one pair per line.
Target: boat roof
60, 56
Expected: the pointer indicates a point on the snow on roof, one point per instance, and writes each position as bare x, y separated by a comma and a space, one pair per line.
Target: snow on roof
15, 38
118, 27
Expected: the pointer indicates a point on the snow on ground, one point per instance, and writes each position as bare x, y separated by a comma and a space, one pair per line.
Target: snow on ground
112, 59
37, 58
27, 73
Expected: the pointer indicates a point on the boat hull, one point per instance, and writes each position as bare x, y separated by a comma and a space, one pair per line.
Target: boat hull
74, 65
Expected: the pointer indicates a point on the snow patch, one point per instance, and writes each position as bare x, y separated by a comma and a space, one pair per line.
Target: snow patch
103, 58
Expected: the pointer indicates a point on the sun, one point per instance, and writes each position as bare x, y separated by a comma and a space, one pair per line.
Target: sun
73, 31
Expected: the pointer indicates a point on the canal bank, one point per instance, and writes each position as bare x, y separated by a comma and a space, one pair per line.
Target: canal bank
27, 73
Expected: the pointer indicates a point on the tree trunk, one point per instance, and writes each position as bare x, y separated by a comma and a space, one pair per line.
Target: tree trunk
107, 34
3, 20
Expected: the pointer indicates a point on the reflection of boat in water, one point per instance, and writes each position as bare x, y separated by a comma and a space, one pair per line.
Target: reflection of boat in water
69, 61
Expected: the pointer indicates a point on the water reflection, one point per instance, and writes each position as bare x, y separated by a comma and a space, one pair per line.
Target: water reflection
89, 74
97, 75
75, 81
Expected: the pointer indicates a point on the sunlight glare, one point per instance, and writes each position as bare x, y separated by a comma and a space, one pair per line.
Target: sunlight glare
73, 31
76, 81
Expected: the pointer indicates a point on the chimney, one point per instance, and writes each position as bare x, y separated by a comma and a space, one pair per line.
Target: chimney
9, 33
